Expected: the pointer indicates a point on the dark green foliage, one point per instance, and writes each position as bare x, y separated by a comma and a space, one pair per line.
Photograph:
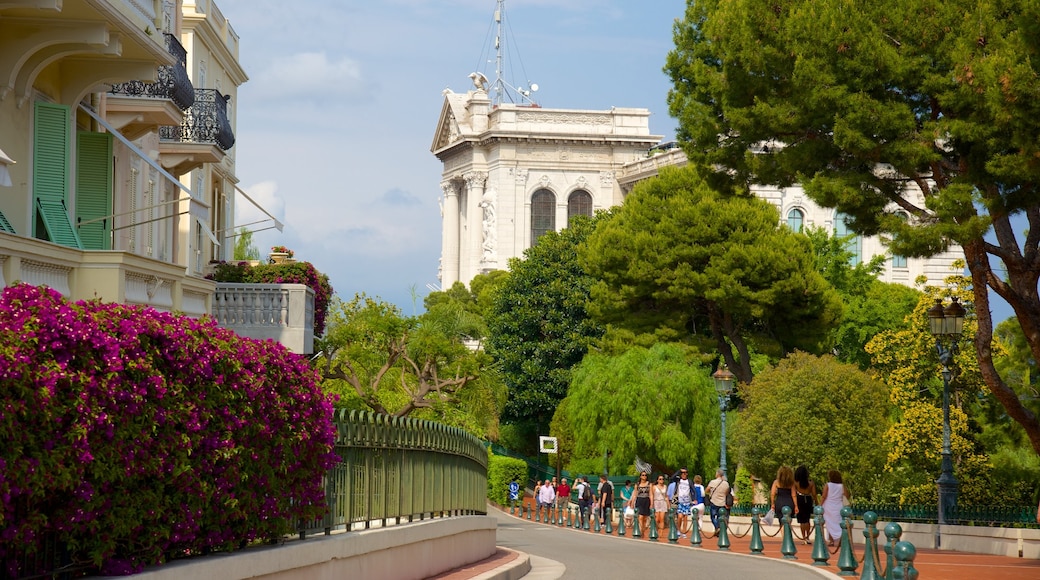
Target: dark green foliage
502, 470
681, 262
539, 325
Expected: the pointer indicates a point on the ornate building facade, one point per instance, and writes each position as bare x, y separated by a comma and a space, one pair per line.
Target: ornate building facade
513, 172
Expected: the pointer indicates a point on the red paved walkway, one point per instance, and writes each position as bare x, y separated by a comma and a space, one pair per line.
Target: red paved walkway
931, 564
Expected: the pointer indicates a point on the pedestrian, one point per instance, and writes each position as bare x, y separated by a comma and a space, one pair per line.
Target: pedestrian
641, 501
606, 498
717, 491
546, 497
626, 499
805, 499
835, 494
660, 502
584, 499
514, 492
697, 509
781, 494
681, 493
563, 494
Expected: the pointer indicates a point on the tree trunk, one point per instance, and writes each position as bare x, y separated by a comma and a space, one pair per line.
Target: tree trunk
1028, 317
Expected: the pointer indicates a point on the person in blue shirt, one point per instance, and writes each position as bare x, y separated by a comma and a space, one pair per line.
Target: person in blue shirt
514, 492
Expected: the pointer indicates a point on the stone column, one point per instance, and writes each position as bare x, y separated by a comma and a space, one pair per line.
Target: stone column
472, 238
450, 235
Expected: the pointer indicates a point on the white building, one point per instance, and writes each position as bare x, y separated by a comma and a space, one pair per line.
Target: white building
513, 172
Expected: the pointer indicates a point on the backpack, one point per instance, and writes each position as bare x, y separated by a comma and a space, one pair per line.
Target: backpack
586, 492
729, 498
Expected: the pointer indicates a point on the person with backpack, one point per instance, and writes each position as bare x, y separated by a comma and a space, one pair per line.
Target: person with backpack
584, 491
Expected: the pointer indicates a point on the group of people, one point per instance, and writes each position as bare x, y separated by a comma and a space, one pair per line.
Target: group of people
591, 501
795, 489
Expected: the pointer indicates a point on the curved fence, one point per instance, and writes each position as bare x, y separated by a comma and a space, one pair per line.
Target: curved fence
394, 468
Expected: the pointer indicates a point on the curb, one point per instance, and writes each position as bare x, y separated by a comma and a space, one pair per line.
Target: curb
514, 569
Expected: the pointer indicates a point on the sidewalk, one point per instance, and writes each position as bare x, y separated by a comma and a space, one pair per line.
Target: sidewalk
931, 564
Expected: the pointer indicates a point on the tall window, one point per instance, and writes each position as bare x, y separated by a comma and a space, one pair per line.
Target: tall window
897, 260
854, 243
579, 203
543, 214
795, 217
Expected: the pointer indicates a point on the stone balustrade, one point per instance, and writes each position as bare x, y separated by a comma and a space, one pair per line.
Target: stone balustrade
280, 312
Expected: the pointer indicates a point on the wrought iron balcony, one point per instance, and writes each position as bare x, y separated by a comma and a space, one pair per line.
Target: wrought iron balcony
173, 82
205, 122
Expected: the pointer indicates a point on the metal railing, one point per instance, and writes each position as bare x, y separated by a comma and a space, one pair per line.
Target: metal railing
205, 122
992, 516
172, 82
395, 468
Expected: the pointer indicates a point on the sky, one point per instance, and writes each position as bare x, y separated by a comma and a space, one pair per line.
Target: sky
335, 124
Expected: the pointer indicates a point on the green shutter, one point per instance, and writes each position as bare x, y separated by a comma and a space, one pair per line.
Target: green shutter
50, 162
56, 223
94, 189
5, 226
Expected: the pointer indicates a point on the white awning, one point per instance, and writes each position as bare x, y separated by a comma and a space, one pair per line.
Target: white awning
196, 207
5, 175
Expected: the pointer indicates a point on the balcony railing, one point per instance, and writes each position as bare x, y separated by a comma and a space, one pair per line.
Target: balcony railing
173, 82
280, 312
205, 122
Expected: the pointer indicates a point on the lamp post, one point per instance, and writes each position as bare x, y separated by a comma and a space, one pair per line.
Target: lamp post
723, 386
946, 323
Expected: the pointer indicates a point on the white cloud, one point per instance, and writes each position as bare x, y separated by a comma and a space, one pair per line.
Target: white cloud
310, 76
265, 194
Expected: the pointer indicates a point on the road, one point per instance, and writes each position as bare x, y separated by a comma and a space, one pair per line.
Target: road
577, 554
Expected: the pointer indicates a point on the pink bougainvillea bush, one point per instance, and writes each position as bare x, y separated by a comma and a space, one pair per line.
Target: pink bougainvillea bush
130, 436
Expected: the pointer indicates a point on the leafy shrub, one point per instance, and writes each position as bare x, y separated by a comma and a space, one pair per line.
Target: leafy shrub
502, 470
132, 435
288, 273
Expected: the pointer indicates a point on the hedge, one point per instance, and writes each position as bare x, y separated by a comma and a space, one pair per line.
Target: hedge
502, 470
131, 436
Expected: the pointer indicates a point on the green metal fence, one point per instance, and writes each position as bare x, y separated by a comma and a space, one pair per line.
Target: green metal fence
965, 515
394, 468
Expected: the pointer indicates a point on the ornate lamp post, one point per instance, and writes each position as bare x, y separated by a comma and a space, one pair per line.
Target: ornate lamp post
946, 323
723, 386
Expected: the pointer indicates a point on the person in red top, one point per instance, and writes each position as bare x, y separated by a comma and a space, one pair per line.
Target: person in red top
563, 493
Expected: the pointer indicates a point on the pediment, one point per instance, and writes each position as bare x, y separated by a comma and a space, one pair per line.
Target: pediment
451, 126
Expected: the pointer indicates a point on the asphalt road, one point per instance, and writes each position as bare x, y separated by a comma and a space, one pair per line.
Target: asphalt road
577, 554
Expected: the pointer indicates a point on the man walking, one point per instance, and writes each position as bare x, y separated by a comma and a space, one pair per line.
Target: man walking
717, 491
606, 498
546, 497
563, 494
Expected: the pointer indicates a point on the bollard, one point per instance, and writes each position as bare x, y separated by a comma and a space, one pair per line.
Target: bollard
596, 522
723, 531
529, 508
870, 551
588, 516
820, 553
893, 532
787, 547
757, 547
905, 554
695, 531
635, 526
652, 536
621, 523
609, 528
846, 559
673, 532
512, 507
563, 516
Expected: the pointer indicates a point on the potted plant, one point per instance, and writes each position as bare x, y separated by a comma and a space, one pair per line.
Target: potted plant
280, 255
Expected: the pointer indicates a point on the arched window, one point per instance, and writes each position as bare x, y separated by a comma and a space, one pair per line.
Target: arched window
579, 203
543, 214
795, 217
897, 260
853, 243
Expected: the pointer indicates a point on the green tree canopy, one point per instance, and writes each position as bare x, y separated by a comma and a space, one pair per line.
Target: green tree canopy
657, 404
882, 109
539, 326
244, 248
377, 359
677, 259
816, 411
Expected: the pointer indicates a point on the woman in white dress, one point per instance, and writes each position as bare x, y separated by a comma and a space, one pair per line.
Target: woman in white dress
833, 494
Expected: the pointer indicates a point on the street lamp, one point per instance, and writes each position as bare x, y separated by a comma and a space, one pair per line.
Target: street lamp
946, 323
723, 386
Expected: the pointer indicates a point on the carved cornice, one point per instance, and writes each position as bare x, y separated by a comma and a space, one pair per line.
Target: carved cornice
450, 188
475, 178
